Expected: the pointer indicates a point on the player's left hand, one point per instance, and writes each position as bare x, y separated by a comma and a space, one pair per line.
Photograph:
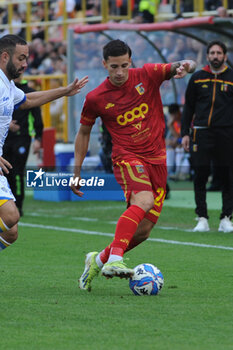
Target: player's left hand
75, 87
36, 146
185, 67
4, 166
182, 70
186, 143
14, 127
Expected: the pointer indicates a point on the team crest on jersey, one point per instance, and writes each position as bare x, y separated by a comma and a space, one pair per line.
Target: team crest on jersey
109, 105
194, 148
140, 89
204, 86
138, 126
140, 168
224, 87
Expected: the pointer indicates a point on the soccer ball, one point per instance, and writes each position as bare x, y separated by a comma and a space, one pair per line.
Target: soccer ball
147, 280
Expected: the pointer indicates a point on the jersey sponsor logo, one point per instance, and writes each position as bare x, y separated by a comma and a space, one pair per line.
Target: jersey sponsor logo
135, 113
22, 150
3, 189
7, 112
143, 176
109, 105
224, 87
138, 126
140, 89
5, 99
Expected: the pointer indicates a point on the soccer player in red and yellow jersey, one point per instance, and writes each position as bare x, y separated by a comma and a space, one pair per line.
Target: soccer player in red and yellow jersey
129, 103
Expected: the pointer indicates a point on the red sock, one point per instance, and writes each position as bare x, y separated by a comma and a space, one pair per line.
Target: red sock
128, 221
104, 255
125, 229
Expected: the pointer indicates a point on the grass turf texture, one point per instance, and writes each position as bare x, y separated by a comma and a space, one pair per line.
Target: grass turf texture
43, 309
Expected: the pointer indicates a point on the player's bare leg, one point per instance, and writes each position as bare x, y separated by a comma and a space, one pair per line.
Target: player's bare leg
142, 233
9, 216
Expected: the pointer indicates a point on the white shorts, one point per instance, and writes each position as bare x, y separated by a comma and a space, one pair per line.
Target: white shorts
5, 191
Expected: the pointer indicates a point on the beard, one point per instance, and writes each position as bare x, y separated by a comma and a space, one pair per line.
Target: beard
12, 72
216, 63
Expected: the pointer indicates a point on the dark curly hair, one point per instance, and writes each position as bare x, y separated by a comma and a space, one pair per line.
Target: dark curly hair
9, 42
116, 48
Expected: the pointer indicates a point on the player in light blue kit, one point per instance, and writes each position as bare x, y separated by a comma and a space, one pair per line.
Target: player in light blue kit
14, 53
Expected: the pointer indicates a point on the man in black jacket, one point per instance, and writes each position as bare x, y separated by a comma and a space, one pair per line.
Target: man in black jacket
26, 126
209, 109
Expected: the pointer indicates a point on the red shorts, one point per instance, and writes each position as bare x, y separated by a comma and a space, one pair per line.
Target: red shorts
136, 175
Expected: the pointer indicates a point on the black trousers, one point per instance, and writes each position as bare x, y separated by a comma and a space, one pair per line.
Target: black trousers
213, 145
16, 151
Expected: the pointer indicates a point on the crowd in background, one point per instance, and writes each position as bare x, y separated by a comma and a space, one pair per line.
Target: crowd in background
50, 57
142, 11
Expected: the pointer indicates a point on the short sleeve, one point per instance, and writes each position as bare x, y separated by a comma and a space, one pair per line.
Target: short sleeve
88, 115
19, 96
158, 71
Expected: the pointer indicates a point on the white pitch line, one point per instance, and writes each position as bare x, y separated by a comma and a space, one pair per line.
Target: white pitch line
63, 229
58, 216
96, 233
86, 219
121, 205
76, 218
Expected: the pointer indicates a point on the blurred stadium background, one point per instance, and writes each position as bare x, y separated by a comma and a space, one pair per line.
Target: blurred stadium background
40, 301
66, 39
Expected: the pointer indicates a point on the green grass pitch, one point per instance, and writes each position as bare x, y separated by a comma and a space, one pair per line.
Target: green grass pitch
42, 307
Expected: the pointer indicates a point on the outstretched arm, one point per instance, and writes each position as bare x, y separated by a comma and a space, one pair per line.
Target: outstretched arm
181, 68
38, 98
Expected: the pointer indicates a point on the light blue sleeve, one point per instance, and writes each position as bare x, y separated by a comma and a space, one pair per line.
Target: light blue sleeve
19, 96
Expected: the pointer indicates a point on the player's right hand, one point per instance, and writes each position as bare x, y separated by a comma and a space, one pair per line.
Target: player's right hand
76, 86
76, 187
185, 143
14, 127
4, 166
